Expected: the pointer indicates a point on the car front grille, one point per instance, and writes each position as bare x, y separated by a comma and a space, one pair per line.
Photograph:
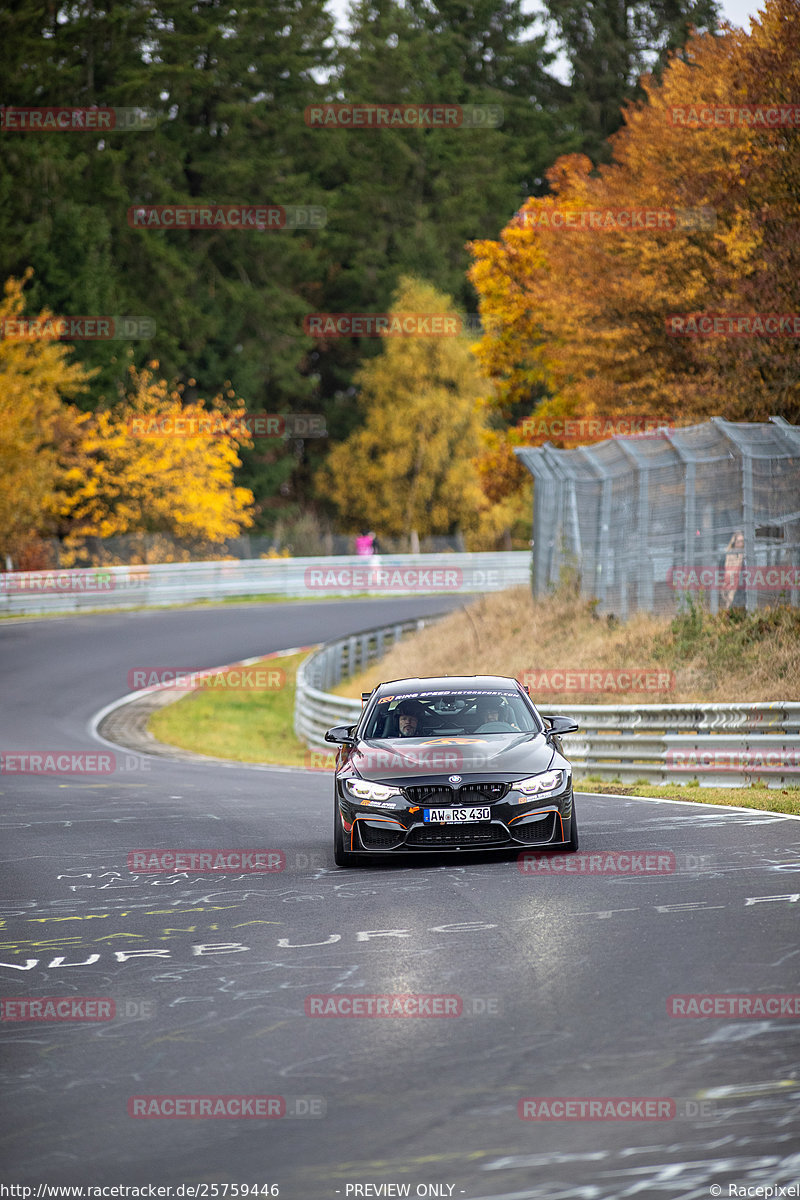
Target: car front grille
457, 835
535, 831
472, 793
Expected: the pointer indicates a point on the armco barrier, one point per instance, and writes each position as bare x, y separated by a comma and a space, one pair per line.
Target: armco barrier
65, 590
730, 745
315, 709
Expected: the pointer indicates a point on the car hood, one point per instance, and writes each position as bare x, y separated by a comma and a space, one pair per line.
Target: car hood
416, 760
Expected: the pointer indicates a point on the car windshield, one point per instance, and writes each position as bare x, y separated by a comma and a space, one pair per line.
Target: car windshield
438, 714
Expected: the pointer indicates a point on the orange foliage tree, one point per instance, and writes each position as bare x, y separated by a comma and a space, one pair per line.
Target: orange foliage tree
588, 295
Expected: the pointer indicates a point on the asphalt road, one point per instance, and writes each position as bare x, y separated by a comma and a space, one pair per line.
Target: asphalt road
562, 980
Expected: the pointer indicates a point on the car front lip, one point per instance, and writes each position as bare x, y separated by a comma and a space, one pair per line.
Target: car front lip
369, 826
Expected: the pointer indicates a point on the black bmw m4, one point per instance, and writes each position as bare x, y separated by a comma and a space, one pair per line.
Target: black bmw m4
451, 763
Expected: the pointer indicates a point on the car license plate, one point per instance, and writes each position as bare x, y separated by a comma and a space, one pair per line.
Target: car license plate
457, 815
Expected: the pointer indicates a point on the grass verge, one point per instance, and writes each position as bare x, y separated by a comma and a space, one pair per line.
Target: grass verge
777, 800
248, 726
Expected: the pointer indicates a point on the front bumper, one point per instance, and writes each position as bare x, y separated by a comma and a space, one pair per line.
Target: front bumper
403, 830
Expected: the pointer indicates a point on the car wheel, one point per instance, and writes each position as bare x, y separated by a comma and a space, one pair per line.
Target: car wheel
342, 857
572, 844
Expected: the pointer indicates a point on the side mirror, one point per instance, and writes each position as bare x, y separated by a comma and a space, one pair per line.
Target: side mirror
341, 734
559, 725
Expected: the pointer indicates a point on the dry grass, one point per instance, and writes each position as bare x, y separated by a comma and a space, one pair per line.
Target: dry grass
730, 657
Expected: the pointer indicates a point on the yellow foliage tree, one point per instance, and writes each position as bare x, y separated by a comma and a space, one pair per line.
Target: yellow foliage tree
117, 476
35, 376
410, 467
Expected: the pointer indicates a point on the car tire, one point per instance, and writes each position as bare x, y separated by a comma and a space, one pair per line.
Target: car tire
572, 844
342, 857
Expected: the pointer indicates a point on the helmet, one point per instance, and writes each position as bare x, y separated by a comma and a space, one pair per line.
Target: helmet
409, 708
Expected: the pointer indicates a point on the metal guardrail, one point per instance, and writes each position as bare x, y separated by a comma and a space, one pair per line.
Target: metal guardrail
68, 590
315, 709
718, 745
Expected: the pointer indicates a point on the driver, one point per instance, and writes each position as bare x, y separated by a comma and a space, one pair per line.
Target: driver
409, 715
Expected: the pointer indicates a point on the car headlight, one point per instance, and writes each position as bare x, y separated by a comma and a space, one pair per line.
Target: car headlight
362, 789
547, 781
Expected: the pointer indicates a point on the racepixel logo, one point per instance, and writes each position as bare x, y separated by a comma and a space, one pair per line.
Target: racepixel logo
56, 762
254, 679
709, 324
65, 582
736, 1005
216, 424
216, 861
617, 220
257, 218
610, 862
404, 116
757, 579
392, 1005
225, 1108
593, 428
587, 681
58, 1008
389, 579
76, 329
75, 120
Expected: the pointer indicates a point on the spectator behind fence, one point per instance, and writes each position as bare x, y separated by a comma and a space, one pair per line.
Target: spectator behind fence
365, 544
733, 594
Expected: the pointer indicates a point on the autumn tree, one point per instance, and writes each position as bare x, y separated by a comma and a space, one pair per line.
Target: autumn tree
408, 468
36, 376
579, 316
153, 463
